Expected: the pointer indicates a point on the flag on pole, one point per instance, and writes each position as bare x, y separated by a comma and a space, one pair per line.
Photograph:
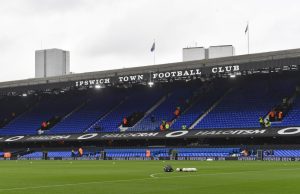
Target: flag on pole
246, 30
153, 47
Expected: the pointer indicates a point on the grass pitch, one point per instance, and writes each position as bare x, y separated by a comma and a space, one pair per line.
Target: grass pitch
130, 177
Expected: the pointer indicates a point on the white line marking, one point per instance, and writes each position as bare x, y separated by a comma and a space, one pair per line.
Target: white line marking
154, 175
191, 174
72, 184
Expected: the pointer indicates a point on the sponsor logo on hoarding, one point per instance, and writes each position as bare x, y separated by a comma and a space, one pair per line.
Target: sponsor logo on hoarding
177, 134
87, 136
48, 137
289, 131
130, 135
15, 138
230, 132
270, 132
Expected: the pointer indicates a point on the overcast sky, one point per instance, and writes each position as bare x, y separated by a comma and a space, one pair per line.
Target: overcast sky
110, 34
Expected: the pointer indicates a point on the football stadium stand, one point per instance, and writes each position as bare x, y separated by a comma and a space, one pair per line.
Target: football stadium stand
47, 107
141, 153
138, 100
92, 109
242, 107
219, 103
171, 108
282, 153
292, 118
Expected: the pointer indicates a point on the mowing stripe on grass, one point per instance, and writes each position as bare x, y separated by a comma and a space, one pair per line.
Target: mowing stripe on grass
152, 177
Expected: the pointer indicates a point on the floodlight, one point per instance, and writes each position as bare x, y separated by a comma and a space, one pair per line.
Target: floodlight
150, 84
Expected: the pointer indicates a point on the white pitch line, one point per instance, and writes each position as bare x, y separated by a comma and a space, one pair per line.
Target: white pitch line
191, 174
72, 184
153, 177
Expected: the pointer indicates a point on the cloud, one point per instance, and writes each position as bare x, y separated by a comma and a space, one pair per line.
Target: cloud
106, 34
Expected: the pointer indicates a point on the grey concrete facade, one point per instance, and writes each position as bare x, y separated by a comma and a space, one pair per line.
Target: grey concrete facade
51, 62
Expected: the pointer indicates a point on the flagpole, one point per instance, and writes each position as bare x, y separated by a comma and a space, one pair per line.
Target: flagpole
154, 54
248, 38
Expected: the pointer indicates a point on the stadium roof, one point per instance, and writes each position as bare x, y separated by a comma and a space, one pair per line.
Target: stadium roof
246, 62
